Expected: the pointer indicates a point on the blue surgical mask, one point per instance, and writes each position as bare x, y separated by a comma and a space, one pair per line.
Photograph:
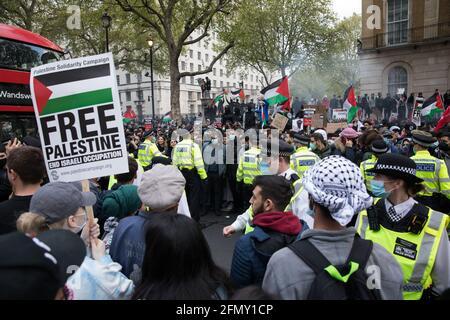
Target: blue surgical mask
312, 146
378, 189
264, 167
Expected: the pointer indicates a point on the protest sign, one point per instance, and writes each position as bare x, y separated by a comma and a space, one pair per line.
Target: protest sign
317, 121
416, 114
333, 127
79, 119
339, 114
279, 122
307, 122
148, 124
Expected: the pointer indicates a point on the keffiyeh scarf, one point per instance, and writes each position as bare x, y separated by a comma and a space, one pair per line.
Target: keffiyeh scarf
337, 184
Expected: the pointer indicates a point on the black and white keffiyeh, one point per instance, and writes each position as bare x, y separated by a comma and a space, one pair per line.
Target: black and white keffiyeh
337, 184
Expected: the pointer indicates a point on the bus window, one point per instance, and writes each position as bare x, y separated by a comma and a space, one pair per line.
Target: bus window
20, 56
12, 126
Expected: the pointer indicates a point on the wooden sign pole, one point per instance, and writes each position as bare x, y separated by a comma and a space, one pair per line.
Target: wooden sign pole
89, 209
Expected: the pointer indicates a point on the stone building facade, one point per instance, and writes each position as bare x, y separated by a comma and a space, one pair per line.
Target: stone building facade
407, 48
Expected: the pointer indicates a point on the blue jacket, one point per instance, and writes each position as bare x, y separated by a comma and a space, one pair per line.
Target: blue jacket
128, 244
253, 252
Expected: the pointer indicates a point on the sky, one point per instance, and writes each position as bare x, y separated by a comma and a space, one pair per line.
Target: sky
346, 8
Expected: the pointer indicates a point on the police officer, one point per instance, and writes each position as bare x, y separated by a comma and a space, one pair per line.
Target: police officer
379, 147
433, 171
412, 232
187, 156
147, 150
302, 159
248, 169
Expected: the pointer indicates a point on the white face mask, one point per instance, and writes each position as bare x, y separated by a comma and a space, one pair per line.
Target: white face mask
83, 224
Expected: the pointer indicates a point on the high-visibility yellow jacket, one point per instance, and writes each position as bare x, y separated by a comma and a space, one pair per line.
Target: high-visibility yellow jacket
416, 253
146, 152
368, 176
434, 173
302, 160
248, 167
187, 155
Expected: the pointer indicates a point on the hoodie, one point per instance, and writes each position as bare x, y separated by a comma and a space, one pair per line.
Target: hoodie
273, 231
121, 202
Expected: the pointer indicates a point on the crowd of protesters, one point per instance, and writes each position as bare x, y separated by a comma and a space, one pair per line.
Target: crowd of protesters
316, 210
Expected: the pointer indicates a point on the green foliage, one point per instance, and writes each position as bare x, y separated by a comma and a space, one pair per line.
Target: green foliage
278, 35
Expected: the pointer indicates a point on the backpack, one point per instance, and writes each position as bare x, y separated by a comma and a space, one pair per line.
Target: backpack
343, 282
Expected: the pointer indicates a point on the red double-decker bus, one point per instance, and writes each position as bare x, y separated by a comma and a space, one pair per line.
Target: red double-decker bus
20, 50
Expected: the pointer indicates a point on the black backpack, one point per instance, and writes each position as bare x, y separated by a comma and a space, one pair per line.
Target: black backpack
349, 281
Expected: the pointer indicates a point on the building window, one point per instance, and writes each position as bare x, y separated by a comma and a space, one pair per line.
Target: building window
140, 95
199, 55
214, 83
191, 65
190, 96
199, 96
183, 80
251, 78
228, 84
139, 77
183, 66
191, 53
397, 79
397, 21
128, 95
207, 57
128, 79
221, 84
192, 79
199, 67
118, 80
221, 72
214, 71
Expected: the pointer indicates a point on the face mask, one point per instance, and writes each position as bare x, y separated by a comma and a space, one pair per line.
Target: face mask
444, 147
312, 146
265, 169
80, 227
215, 141
378, 189
232, 137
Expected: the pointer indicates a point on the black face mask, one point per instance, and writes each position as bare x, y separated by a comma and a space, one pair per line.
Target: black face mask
444, 147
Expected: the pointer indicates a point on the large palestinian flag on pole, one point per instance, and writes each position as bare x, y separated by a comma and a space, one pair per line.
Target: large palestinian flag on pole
79, 118
433, 105
350, 104
277, 92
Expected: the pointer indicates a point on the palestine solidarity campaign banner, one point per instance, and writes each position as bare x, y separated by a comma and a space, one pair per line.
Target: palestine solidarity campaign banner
79, 119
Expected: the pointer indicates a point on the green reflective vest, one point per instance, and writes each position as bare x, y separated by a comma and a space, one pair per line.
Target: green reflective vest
434, 173
187, 155
416, 253
368, 176
302, 160
248, 167
146, 152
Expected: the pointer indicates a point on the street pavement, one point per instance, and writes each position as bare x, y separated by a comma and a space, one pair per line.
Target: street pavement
221, 247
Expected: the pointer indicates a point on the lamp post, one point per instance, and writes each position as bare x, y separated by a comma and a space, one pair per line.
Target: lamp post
150, 44
106, 22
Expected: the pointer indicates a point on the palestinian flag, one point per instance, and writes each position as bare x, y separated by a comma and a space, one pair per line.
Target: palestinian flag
167, 117
126, 120
69, 90
445, 120
238, 93
350, 104
264, 114
218, 100
277, 92
432, 105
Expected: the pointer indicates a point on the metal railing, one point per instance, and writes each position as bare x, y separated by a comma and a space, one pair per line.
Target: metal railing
407, 36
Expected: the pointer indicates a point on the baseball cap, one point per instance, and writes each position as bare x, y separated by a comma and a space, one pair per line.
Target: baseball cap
161, 187
36, 268
59, 200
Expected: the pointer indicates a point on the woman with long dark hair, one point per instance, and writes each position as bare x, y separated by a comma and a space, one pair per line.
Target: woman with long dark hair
178, 264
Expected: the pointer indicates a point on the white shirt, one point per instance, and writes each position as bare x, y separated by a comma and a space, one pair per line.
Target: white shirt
403, 208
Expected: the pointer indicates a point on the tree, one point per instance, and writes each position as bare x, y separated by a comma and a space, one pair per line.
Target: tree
333, 72
175, 21
275, 35
50, 19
